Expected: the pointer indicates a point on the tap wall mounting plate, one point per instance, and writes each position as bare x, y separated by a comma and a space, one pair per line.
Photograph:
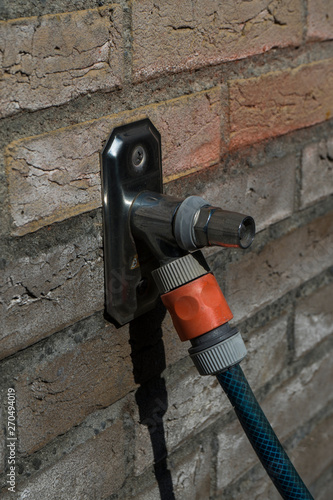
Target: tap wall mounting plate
130, 164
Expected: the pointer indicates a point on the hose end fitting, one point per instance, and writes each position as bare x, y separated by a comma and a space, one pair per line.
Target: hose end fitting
217, 350
197, 225
215, 226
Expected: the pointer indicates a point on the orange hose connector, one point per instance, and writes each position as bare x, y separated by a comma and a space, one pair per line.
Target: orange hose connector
197, 307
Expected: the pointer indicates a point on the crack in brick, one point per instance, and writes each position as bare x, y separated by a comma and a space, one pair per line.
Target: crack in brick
41, 63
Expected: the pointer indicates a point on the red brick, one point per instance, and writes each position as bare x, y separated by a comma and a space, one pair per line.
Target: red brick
282, 265
314, 319
311, 450
95, 469
52, 59
191, 474
317, 171
174, 36
257, 485
320, 20
48, 182
279, 102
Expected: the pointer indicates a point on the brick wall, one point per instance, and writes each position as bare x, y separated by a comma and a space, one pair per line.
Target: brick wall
242, 93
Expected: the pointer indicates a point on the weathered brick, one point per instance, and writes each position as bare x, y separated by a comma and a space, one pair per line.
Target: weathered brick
323, 487
267, 352
52, 59
45, 293
190, 477
314, 319
235, 455
320, 20
300, 398
313, 454
265, 192
257, 485
95, 469
87, 376
279, 267
54, 176
279, 102
195, 401
317, 175
192, 34
54, 396
192, 403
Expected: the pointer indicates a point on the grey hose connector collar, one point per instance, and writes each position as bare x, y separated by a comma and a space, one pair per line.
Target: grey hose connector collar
220, 356
180, 271
185, 220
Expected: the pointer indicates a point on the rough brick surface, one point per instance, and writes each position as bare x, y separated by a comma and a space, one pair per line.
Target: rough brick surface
241, 92
257, 485
320, 20
300, 398
265, 192
317, 171
193, 402
313, 453
56, 175
95, 469
322, 489
90, 376
44, 293
314, 319
281, 266
267, 352
50, 60
279, 102
235, 455
190, 477
194, 33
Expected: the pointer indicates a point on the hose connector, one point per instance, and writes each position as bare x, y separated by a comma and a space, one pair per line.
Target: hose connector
215, 226
197, 224
200, 313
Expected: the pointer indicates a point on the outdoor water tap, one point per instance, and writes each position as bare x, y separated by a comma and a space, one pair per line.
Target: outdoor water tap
145, 229
170, 226
151, 244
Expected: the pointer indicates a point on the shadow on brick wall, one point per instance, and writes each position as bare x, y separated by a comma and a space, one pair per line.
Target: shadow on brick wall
148, 357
